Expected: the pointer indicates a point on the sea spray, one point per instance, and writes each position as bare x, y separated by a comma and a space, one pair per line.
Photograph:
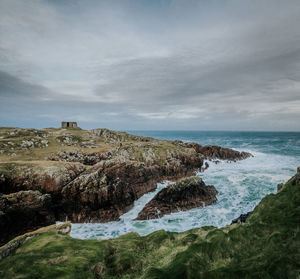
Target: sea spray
241, 185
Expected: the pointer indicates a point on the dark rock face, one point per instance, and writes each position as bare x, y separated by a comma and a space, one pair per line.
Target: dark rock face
218, 152
279, 186
109, 189
183, 195
43, 181
242, 218
213, 152
23, 211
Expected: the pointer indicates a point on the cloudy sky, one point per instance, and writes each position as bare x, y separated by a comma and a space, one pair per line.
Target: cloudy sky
151, 64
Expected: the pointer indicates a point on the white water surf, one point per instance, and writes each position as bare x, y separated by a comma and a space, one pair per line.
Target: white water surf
241, 186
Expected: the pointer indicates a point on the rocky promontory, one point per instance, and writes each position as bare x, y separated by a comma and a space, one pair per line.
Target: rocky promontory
185, 194
95, 175
214, 152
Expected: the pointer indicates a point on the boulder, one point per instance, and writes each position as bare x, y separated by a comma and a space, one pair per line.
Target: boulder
242, 218
187, 193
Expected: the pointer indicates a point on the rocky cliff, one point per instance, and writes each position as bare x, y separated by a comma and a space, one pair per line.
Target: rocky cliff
95, 175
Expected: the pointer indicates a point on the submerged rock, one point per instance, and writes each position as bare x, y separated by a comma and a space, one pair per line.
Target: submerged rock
183, 195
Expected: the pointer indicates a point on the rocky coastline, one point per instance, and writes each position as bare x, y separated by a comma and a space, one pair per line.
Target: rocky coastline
89, 176
263, 245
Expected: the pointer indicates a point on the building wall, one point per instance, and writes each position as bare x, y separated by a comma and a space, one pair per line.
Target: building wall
66, 124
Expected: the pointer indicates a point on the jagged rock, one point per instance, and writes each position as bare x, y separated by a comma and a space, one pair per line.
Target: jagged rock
242, 218
50, 180
213, 152
109, 189
279, 186
183, 195
296, 178
77, 156
23, 211
69, 140
113, 136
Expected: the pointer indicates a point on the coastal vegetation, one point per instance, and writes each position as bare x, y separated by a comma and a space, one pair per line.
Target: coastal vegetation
265, 246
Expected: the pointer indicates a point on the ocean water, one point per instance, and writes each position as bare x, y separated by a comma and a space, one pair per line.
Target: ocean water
241, 185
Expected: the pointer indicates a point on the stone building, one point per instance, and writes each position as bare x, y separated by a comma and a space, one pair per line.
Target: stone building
65, 124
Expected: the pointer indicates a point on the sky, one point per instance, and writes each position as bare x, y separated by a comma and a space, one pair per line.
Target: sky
151, 64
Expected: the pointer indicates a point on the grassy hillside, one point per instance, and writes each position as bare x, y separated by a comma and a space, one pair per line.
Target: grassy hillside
41, 149
266, 246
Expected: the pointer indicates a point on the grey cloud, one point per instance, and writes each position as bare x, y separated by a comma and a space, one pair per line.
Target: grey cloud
151, 64
14, 87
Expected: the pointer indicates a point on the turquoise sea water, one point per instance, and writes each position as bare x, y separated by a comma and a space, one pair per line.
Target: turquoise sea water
241, 185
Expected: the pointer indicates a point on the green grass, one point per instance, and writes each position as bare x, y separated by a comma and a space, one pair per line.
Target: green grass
136, 146
266, 246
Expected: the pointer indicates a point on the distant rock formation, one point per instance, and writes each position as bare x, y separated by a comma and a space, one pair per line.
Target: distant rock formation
187, 193
213, 152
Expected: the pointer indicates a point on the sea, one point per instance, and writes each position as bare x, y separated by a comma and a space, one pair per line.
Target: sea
241, 185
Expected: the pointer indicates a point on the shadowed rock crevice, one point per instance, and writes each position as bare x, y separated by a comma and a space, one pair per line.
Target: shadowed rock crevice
24, 211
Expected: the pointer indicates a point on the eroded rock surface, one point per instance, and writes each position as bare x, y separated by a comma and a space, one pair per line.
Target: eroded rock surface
187, 193
23, 211
213, 152
109, 189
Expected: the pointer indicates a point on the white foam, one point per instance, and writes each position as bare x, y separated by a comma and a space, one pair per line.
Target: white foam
241, 186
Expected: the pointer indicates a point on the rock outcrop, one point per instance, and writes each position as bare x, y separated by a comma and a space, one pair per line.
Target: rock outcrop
117, 178
109, 189
23, 211
213, 152
242, 218
295, 180
94, 176
187, 193
76, 156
